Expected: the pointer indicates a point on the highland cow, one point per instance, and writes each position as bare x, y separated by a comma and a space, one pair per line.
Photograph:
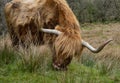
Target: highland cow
47, 22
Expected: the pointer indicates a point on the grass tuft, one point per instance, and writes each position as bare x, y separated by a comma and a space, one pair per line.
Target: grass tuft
34, 58
7, 56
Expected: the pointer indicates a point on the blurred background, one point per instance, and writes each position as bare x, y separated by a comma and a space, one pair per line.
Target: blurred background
3, 25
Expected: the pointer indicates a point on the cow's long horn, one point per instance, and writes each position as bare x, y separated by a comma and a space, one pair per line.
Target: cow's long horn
86, 44
53, 31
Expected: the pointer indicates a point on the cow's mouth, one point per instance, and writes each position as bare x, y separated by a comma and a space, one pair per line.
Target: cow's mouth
59, 67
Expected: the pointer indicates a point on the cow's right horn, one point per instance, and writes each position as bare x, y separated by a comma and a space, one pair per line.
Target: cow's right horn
86, 44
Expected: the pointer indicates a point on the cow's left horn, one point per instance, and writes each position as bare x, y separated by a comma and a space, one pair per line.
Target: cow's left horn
52, 31
86, 44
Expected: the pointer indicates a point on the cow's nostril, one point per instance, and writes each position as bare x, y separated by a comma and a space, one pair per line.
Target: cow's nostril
56, 66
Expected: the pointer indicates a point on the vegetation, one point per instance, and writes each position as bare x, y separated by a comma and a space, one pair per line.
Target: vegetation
33, 65
96, 10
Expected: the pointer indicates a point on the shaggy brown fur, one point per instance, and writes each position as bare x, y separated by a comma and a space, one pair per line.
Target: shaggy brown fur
26, 17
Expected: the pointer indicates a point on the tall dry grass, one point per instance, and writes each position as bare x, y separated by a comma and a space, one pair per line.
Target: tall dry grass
109, 57
35, 58
30, 59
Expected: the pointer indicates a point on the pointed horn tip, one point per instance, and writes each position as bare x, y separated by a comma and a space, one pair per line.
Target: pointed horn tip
109, 40
102, 46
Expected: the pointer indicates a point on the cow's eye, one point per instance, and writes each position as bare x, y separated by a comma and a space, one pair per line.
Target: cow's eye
15, 5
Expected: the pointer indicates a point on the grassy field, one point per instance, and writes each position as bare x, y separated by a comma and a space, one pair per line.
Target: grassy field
33, 65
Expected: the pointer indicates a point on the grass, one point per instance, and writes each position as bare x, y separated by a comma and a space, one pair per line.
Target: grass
12, 73
34, 64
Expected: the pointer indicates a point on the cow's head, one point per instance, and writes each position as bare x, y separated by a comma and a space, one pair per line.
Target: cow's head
84, 43
61, 63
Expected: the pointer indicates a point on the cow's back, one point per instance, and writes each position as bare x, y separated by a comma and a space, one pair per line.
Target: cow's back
26, 17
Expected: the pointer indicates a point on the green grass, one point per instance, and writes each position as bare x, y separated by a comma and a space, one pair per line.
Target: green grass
15, 72
76, 73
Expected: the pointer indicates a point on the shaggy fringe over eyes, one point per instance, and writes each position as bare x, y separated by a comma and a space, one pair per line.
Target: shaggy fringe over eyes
67, 45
